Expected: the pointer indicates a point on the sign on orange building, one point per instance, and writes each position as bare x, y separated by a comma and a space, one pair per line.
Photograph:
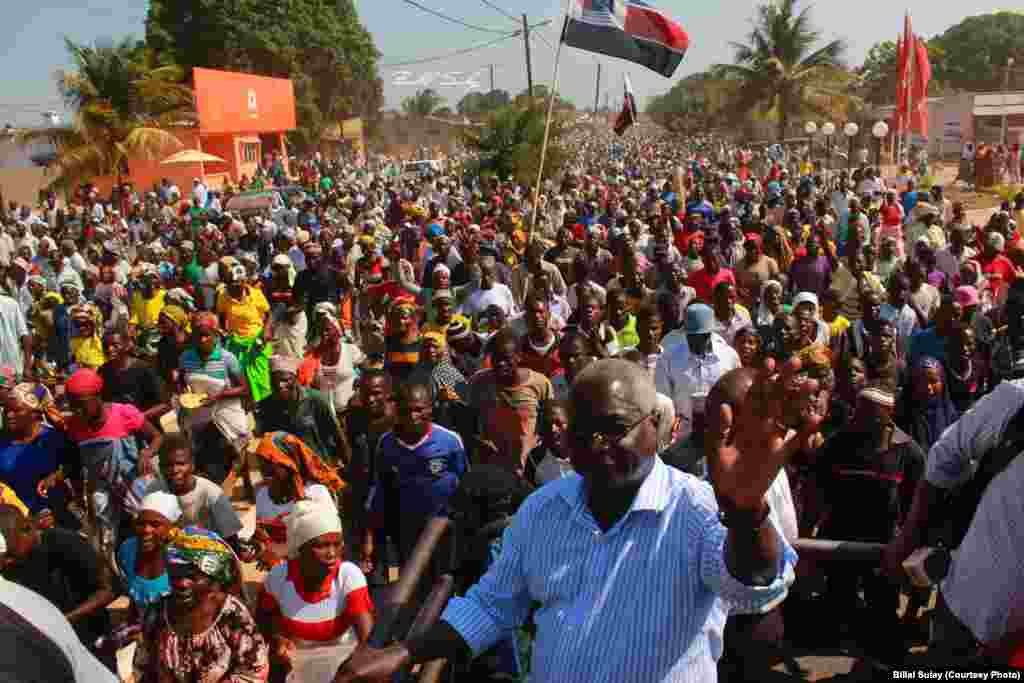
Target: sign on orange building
228, 102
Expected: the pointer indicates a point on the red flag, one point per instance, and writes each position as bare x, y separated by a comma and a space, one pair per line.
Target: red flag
906, 66
628, 115
922, 77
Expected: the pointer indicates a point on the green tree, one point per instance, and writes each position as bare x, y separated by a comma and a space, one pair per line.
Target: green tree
320, 44
540, 96
781, 69
478, 103
423, 103
509, 145
975, 51
879, 74
693, 104
123, 105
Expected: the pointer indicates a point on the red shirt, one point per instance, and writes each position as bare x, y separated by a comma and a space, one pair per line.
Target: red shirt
704, 283
998, 264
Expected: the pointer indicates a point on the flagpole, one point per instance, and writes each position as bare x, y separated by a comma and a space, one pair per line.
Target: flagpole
547, 126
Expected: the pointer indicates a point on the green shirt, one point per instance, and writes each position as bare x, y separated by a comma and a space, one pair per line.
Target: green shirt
310, 419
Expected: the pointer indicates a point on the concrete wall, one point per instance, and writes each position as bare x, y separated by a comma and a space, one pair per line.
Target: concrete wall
22, 185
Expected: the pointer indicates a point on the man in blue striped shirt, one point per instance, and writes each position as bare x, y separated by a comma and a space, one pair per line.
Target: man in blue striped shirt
633, 563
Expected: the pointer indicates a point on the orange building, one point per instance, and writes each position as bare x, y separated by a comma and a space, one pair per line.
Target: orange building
241, 118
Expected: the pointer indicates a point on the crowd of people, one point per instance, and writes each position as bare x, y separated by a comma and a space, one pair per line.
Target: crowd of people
684, 357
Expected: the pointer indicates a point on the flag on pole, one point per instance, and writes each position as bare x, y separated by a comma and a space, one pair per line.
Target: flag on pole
627, 29
905, 61
922, 77
628, 115
915, 73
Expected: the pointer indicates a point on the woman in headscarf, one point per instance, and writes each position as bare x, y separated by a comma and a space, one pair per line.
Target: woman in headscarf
140, 559
926, 409
776, 245
805, 307
245, 311
402, 336
147, 302
200, 633
315, 608
435, 370
35, 455
770, 304
291, 472
175, 330
331, 365
218, 426
86, 340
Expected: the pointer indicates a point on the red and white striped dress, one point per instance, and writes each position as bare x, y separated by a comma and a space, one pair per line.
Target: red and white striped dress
320, 623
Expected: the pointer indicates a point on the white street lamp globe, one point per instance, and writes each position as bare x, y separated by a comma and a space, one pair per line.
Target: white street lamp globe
851, 129
880, 130
810, 128
828, 129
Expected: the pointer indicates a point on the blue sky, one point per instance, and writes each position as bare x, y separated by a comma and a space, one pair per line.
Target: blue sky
31, 42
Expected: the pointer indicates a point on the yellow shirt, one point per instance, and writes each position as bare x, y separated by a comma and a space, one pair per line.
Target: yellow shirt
9, 497
146, 312
88, 351
243, 317
838, 327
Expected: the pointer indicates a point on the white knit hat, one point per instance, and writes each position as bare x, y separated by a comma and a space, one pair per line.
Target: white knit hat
310, 519
162, 503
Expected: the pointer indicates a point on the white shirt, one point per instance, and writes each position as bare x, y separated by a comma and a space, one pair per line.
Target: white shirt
199, 194
685, 377
986, 579
12, 328
42, 614
6, 249
904, 319
480, 300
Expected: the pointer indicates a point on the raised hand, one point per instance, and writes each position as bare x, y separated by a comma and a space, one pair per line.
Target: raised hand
758, 433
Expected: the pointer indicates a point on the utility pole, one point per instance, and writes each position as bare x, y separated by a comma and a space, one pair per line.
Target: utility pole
529, 67
597, 91
1006, 86
492, 78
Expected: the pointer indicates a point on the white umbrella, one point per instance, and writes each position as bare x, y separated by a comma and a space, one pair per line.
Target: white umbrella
192, 156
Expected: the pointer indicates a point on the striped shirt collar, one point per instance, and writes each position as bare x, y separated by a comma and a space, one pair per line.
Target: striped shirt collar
654, 494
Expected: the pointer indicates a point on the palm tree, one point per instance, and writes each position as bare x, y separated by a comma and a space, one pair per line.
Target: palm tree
780, 72
123, 106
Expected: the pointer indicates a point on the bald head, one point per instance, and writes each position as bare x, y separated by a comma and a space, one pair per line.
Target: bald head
626, 383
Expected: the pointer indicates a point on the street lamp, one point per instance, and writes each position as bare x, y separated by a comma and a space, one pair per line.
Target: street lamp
828, 129
880, 130
850, 130
810, 128
1006, 86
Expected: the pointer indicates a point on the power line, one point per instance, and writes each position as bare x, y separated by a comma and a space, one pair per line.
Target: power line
451, 19
456, 53
502, 11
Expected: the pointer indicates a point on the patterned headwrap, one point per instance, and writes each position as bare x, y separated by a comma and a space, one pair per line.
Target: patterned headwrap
204, 550
180, 297
37, 397
816, 363
178, 316
32, 396
288, 450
